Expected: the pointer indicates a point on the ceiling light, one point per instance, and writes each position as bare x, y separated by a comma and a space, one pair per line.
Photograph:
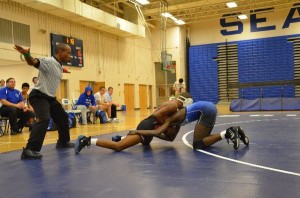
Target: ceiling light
173, 18
180, 22
231, 4
143, 2
139, 2
242, 16
166, 14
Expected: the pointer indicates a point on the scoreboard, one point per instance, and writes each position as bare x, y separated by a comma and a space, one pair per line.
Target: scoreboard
75, 45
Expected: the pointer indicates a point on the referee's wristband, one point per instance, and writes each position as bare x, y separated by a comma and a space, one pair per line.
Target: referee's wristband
27, 55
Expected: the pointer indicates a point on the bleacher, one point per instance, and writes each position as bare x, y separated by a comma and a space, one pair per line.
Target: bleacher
280, 100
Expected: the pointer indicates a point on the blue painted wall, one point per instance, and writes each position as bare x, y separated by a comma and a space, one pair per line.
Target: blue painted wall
204, 73
268, 59
260, 60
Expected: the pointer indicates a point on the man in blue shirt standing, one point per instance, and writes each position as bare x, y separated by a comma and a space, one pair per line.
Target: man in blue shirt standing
13, 107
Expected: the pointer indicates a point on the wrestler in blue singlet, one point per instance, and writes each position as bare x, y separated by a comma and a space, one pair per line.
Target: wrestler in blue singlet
204, 112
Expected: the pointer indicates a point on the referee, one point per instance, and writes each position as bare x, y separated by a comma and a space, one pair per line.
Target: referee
43, 100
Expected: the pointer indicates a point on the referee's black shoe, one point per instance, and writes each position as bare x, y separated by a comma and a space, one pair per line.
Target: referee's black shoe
60, 145
30, 154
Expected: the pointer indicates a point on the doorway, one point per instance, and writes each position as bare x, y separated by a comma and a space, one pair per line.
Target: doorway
143, 96
150, 97
129, 96
62, 91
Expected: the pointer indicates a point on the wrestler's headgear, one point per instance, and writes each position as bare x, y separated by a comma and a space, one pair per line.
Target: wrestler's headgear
172, 98
185, 101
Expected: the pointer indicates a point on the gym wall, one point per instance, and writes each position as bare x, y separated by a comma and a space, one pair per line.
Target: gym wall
264, 53
107, 57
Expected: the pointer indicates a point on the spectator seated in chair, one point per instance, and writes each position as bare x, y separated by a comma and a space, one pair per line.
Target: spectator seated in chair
13, 107
86, 103
25, 96
113, 105
102, 102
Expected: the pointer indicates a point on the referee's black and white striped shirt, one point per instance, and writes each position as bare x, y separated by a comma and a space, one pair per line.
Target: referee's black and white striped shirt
50, 75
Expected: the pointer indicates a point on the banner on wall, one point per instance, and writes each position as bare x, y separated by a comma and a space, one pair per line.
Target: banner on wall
258, 23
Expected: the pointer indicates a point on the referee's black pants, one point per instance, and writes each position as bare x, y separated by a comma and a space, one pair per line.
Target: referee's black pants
46, 107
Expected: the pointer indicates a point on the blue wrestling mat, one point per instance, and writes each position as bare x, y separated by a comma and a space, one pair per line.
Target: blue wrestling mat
269, 167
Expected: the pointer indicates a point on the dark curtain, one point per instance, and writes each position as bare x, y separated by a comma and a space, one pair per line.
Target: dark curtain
187, 46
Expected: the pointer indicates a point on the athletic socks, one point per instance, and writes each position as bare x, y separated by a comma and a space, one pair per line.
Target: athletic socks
93, 141
222, 134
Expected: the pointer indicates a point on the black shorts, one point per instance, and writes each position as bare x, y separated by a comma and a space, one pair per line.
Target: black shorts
147, 124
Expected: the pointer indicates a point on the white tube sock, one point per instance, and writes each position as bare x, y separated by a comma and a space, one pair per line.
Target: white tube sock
222, 134
93, 141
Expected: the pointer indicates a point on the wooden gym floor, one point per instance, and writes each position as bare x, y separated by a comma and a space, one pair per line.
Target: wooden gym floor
128, 120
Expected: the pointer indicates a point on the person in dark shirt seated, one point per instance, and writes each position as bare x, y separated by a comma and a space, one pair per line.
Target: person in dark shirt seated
13, 107
25, 96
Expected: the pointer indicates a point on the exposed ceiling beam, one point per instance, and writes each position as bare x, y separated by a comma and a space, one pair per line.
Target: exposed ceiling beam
244, 9
113, 7
192, 11
174, 7
201, 18
150, 25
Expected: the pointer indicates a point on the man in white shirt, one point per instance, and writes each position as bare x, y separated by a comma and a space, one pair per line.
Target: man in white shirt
113, 105
179, 87
102, 102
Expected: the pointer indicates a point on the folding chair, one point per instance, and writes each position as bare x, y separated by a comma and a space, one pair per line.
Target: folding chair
66, 103
4, 125
89, 113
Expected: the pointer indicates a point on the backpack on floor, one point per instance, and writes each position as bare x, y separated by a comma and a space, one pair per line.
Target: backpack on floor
51, 126
72, 120
102, 116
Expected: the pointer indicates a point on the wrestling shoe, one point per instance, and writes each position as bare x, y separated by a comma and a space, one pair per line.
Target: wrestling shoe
232, 134
81, 142
242, 136
116, 138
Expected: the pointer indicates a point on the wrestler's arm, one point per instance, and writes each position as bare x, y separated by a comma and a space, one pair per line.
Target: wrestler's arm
170, 134
166, 109
175, 119
154, 132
